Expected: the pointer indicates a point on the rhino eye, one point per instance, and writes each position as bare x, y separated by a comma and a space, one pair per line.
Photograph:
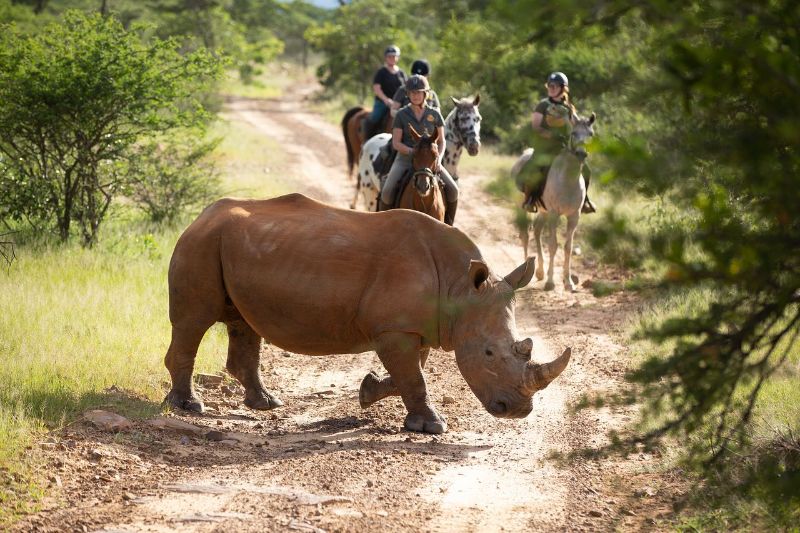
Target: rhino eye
489, 352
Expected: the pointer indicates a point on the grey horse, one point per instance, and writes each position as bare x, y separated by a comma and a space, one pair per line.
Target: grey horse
563, 196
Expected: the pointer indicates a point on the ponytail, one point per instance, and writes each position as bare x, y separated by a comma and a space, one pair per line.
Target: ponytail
565, 92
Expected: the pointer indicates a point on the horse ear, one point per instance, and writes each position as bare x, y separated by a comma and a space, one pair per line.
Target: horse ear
456, 102
477, 100
414, 135
591, 118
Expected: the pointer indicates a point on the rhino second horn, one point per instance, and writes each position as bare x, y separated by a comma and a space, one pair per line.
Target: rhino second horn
524, 348
539, 376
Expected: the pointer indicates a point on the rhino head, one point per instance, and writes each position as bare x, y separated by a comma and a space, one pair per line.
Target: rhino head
495, 363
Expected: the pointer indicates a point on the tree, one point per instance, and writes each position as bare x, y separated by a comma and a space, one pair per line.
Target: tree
74, 101
354, 41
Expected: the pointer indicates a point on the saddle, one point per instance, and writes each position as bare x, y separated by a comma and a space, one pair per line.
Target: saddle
383, 161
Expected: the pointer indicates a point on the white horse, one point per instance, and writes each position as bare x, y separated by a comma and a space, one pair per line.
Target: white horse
462, 129
563, 194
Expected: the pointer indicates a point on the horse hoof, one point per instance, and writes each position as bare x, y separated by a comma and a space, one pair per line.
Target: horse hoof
549, 286
574, 278
577, 250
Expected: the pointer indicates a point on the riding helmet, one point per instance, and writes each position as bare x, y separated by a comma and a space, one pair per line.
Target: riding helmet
417, 83
391, 50
421, 67
558, 77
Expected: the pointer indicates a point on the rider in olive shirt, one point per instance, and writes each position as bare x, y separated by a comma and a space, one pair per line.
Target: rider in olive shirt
551, 120
425, 121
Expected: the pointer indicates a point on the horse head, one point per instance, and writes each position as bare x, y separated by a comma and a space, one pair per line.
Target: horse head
425, 162
582, 131
468, 123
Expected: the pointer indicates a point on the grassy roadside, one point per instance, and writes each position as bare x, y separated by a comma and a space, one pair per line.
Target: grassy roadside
77, 321
756, 487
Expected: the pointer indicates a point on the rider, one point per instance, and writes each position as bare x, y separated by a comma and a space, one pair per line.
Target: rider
385, 83
423, 68
551, 122
424, 120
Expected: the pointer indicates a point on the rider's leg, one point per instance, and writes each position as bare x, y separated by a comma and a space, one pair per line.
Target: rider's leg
450, 194
588, 206
374, 120
389, 190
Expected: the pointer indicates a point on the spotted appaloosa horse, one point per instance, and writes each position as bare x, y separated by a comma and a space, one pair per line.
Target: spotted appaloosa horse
368, 183
564, 194
462, 130
353, 138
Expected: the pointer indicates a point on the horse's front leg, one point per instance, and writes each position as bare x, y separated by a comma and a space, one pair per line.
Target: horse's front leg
358, 190
538, 226
572, 225
552, 245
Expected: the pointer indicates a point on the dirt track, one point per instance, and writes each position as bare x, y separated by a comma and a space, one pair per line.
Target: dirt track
321, 463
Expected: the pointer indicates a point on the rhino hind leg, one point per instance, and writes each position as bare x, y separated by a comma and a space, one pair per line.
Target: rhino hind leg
180, 363
244, 358
375, 388
402, 356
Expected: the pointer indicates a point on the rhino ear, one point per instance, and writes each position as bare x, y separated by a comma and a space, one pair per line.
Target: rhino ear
522, 274
478, 273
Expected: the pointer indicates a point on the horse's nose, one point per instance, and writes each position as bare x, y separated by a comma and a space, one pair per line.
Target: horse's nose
581, 154
474, 147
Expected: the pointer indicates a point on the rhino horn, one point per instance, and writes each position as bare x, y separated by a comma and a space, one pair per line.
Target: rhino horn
524, 348
539, 376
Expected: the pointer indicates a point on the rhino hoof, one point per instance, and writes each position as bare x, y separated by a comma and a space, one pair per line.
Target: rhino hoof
192, 404
417, 423
366, 396
264, 402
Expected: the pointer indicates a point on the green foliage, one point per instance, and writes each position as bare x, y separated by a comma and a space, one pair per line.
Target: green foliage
74, 100
354, 41
169, 178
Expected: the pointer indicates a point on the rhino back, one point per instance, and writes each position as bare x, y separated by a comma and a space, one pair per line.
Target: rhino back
317, 279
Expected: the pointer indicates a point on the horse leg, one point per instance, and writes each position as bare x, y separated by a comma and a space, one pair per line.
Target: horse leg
538, 226
358, 190
572, 225
552, 245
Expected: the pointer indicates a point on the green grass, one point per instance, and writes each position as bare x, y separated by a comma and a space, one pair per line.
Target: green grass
756, 487
77, 321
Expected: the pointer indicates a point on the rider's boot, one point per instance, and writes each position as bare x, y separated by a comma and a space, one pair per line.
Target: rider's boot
450, 212
588, 206
382, 206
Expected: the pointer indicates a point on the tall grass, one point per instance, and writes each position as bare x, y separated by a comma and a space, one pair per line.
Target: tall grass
74, 321
757, 485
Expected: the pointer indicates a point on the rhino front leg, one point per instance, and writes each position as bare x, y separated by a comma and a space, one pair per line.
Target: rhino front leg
244, 358
375, 388
399, 353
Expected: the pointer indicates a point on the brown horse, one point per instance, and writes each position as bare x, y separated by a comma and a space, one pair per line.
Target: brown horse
353, 135
423, 192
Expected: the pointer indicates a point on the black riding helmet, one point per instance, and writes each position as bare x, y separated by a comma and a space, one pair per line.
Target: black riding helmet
391, 50
559, 78
417, 83
421, 67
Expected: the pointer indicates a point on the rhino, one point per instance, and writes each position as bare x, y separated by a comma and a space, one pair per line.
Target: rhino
318, 280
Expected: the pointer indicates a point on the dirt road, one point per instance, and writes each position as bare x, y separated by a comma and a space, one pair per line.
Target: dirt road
320, 463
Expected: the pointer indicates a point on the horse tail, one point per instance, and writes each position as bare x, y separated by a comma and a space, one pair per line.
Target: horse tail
347, 142
526, 156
